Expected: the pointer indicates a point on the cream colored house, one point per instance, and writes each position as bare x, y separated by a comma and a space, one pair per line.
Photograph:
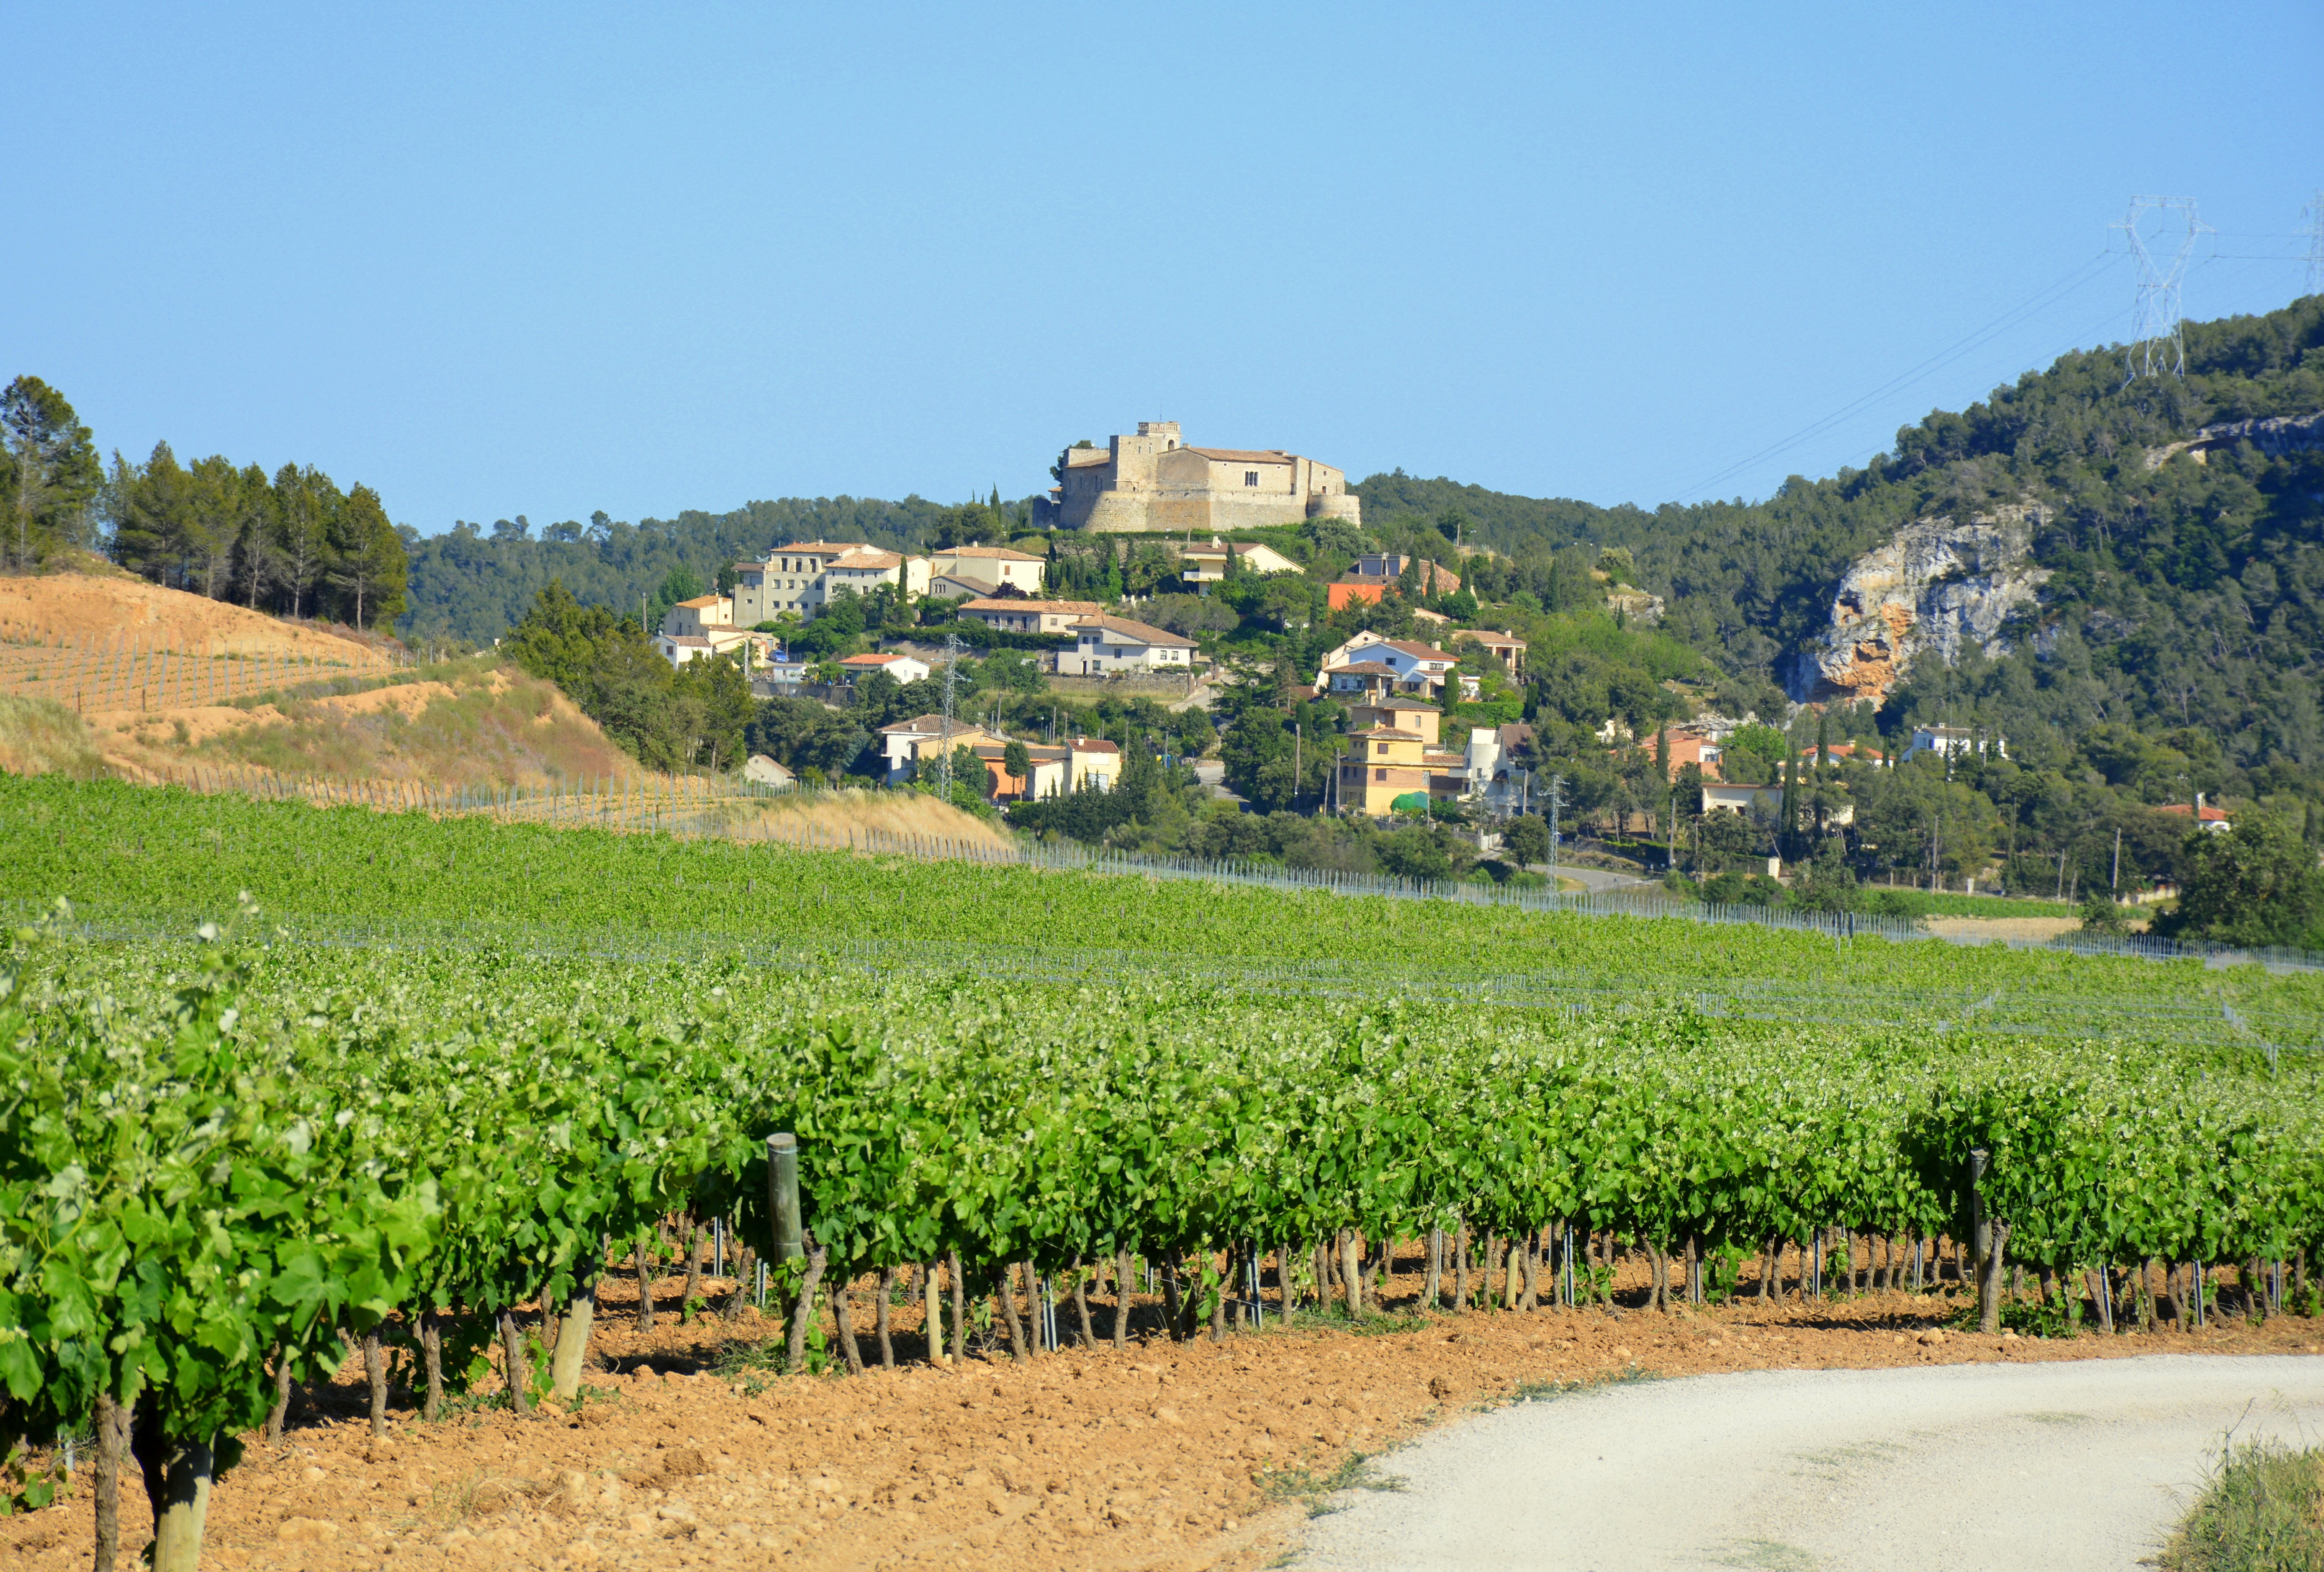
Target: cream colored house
1397, 714
906, 744
992, 567
1093, 764
1015, 616
1381, 764
800, 579
1207, 565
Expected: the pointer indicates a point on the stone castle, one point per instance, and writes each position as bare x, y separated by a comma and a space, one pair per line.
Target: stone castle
1154, 483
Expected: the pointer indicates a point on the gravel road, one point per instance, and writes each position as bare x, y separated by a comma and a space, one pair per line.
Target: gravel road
2051, 1467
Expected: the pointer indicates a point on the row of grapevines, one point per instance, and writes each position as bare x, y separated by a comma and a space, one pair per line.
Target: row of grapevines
218, 1156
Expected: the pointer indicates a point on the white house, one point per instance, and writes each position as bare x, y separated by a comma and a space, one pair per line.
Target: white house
1955, 742
902, 667
1110, 644
761, 770
1411, 667
1721, 797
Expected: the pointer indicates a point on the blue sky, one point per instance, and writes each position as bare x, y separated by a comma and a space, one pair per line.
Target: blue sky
495, 262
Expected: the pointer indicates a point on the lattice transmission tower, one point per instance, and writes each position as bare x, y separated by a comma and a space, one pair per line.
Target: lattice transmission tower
2162, 232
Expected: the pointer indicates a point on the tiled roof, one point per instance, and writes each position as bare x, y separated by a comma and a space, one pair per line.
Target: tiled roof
1136, 632
1014, 604
823, 548
877, 657
1088, 745
1362, 668
1389, 731
2211, 815
928, 725
999, 553
1399, 703
1243, 454
864, 556
701, 600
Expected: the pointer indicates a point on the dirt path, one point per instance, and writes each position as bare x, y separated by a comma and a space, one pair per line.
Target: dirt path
2054, 1467
1181, 1456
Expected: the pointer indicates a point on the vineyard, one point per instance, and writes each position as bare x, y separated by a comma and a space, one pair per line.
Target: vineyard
92, 675
412, 1094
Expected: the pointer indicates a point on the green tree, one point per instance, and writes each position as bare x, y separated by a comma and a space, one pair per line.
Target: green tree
2256, 884
1017, 760
307, 505
1526, 838
50, 471
367, 562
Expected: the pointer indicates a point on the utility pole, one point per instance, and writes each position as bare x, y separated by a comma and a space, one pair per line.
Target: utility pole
1556, 801
952, 658
1296, 760
2114, 880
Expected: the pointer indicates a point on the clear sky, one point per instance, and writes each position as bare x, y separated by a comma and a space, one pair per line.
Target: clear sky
495, 262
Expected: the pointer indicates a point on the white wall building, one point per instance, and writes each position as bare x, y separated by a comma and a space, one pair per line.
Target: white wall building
904, 669
1112, 644
1955, 742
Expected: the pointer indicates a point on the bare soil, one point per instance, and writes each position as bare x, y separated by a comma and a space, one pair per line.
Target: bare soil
1193, 1454
87, 607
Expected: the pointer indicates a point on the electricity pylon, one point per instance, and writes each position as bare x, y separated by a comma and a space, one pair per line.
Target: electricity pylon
2159, 350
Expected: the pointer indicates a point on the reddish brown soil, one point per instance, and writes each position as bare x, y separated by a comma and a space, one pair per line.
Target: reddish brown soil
1181, 1456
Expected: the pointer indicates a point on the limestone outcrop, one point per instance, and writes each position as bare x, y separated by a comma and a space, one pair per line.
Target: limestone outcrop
2273, 435
1939, 584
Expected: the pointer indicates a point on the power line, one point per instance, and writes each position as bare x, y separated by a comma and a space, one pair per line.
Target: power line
2038, 301
2315, 237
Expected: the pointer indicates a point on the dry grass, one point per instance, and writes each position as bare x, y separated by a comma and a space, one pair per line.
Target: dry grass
39, 736
2264, 1512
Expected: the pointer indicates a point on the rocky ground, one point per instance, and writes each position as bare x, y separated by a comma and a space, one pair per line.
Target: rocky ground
1166, 1455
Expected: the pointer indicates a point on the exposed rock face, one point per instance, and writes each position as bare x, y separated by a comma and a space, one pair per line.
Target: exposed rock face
1636, 604
2274, 436
1939, 585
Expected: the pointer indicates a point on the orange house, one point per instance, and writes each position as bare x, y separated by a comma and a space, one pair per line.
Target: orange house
1343, 591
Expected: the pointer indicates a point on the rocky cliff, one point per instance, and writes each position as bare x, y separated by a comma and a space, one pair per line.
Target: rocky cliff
1938, 584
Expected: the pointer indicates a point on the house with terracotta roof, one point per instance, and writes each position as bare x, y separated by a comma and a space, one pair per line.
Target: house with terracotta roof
1046, 778
1152, 482
1103, 645
1093, 764
2217, 821
1027, 616
904, 669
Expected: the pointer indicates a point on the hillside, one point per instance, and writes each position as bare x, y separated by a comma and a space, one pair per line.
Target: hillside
2181, 593
473, 584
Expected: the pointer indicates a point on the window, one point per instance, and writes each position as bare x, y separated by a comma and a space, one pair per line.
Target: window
1380, 748
1379, 775
1250, 477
